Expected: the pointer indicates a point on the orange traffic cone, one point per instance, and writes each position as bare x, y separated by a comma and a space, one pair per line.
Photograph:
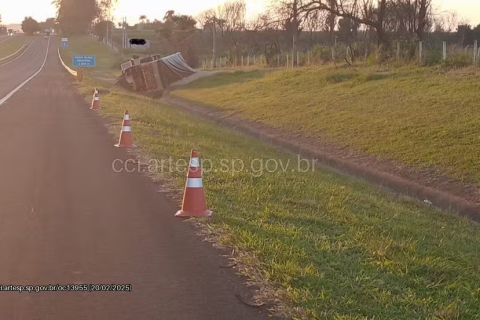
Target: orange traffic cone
194, 204
126, 140
95, 101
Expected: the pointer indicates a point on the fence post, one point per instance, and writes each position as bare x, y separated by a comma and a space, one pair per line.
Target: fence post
420, 51
254, 60
444, 50
475, 47
287, 60
308, 58
278, 61
398, 50
242, 61
248, 61
298, 58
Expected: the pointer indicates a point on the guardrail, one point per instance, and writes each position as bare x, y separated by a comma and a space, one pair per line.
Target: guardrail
71, 71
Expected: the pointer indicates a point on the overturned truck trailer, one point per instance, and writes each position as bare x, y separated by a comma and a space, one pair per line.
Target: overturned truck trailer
152, 75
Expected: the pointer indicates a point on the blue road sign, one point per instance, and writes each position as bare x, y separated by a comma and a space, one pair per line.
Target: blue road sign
64, 42
84, 61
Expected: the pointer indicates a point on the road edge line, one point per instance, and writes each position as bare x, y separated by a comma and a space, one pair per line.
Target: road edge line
8, 96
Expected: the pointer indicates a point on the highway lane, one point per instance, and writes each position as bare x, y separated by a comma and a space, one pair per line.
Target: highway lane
67, 218
16, 71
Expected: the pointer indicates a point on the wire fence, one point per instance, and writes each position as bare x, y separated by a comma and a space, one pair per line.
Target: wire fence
423, 53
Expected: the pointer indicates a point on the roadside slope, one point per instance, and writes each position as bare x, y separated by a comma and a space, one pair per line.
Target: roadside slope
330, 247
419, 123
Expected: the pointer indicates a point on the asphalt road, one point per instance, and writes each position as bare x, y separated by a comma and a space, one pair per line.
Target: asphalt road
3, 38
67, 218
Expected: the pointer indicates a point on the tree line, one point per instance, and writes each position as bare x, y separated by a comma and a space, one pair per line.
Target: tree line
282, 26
381, 22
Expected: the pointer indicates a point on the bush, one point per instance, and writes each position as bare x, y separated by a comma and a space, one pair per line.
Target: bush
321, 54
433, 57
460, 60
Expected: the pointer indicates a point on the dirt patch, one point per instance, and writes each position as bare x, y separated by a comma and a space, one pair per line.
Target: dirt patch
427, 185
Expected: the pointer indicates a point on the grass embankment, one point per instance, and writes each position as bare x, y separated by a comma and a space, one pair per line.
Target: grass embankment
421, 117
108, 63
335, 247
13, 44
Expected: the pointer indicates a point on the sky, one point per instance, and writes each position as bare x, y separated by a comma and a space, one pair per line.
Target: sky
13, 11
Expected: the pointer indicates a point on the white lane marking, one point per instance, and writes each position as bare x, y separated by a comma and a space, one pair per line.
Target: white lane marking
8, 96
4, 64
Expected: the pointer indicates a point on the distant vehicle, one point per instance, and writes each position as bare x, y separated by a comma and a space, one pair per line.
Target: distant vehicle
10, 32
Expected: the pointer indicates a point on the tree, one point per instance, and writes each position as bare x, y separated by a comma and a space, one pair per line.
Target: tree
30, 25
315, 22
47, 24
347, 30
143, 18
100, 28
332, 21
465, 34
3, 29
231, 19
408, 19
176, 30
104, 9
77, 16
367, 12
292, 15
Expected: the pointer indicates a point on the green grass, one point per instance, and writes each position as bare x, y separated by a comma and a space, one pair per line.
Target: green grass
107, 63
335, 247
421, 117
13, 44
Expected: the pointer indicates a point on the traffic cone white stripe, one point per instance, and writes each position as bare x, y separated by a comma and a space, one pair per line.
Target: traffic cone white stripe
126, 129
194, 183
127, 117
194, 163
97, 99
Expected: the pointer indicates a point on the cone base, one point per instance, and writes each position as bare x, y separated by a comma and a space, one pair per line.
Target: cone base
182, 213
118, 145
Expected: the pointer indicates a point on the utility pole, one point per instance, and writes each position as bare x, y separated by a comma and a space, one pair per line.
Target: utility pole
123, 33
295, 33
107, 31
214, 51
